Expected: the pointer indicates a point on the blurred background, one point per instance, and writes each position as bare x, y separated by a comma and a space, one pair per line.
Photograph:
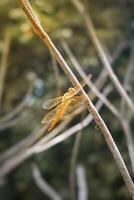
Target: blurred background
29, 76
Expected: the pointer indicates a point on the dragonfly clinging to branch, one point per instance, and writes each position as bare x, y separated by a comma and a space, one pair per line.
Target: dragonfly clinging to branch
59, 106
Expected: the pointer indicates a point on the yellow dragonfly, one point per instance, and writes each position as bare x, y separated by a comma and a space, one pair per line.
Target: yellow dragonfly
59, 106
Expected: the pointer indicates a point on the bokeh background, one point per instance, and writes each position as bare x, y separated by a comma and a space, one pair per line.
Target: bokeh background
30, 80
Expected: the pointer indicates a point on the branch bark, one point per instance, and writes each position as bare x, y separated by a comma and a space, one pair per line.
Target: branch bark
82, 183
99, 121
43, 185
4, 64
99, 50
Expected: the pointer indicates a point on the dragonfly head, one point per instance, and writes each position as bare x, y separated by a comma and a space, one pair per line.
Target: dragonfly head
71, 90
70, 93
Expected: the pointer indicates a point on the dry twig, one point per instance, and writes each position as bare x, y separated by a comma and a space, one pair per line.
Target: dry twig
45, 143
73, 160
82, 183
99, 121
92, 86
92, 34
4, 64
43, 185
125, 120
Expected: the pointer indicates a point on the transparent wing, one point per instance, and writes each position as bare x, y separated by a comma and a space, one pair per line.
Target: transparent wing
48, 118
77, 100
51, 103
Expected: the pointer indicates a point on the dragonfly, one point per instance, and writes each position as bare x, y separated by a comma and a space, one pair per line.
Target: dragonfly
62, 105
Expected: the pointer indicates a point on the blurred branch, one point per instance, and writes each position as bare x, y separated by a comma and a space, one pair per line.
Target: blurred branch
73, 164
44, 143
98, 94
84, 123
99, 121
119, 48
92, 34
89, 83
11, 118
31, 139
69, 118
101, 80
125, 120
82, 183
9, 124
109, 105
14, 161
23, 144
4, 64
57, 76
128, 75
43, 185
129, 140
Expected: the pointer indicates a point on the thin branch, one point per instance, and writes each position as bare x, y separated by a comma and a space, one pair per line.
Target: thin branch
89, 83
40, 146
57, 77
73, 161
109, 105
4, 64
82, 183
128, 75
17, 110
13, 117
23, 151
92, 34
43, 185
76, 128
11, 163
129, 141
26, 142
61, 126
9, 124
125, 120
99, 121
29, 140
104, 75
23, 144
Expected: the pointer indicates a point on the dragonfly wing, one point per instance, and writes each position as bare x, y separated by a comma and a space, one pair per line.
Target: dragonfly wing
48, 118
51, 103
77, 100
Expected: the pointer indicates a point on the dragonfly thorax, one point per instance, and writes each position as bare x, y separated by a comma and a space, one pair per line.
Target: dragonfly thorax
70, 93
71, 90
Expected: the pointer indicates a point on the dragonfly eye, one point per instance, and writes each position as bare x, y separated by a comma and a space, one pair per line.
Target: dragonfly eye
70, 89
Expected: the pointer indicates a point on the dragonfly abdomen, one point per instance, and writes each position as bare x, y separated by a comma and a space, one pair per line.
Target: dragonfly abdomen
62, 109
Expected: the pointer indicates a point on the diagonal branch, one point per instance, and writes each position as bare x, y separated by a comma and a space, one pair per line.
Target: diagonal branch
99, 50
4, 64
43, 185
125, 120
73, 161
82, 183
99, 121
44, 144
89, 83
